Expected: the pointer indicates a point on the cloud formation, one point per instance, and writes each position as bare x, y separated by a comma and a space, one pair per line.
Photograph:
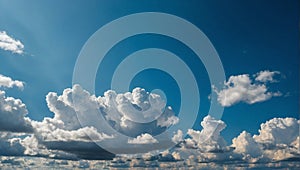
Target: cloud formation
266, 76
12, 115
10, 44
143, 139
242, 88
208, 139
9, 83
64, 137
278, 139
56, 135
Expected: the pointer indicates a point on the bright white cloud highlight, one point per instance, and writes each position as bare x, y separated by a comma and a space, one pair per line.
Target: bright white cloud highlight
10, 44
143, 139
242, 88
9, 83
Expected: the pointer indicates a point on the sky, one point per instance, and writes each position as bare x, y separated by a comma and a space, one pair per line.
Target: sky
257, 43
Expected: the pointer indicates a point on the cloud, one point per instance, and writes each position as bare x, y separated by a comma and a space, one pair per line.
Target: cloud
64, 130
10, 44
244, 144
242, 88
12, 115
10, 144
266, 76
9, 83
208, 139
278, 139
143, 139
64, 137
278, 131
178, 137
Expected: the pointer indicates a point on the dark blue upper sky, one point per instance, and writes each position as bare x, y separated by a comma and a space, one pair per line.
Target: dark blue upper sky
249, 36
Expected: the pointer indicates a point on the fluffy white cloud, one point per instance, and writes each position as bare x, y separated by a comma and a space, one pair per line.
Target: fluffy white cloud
278, 131
242, 88
209, 139
278, 140
64, 129
139, 106
244, 144
9, 83
143, 139
266, 76
10, 44
12, 115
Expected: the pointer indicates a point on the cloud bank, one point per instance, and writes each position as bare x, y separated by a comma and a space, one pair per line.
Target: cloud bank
63, 136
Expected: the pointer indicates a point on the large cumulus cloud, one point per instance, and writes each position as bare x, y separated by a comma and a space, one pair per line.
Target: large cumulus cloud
64, 128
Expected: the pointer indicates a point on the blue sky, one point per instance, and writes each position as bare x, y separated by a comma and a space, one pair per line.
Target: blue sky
248, 36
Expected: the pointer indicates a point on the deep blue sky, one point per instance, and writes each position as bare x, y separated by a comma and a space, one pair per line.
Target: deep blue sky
249, 37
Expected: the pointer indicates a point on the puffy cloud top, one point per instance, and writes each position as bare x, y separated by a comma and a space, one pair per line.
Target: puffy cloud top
278, 131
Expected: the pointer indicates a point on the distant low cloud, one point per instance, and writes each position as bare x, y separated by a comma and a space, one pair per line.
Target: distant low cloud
143, 139
242, 88
9, 82
10, 44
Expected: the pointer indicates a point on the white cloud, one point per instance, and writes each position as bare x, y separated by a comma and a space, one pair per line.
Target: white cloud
64, 137
138, 106
143, 139
266, 76
278, 140
12, 115
64, 129
278, 131
10, 44
241, 88
178, 137
209, 139
244, 144
9, 83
